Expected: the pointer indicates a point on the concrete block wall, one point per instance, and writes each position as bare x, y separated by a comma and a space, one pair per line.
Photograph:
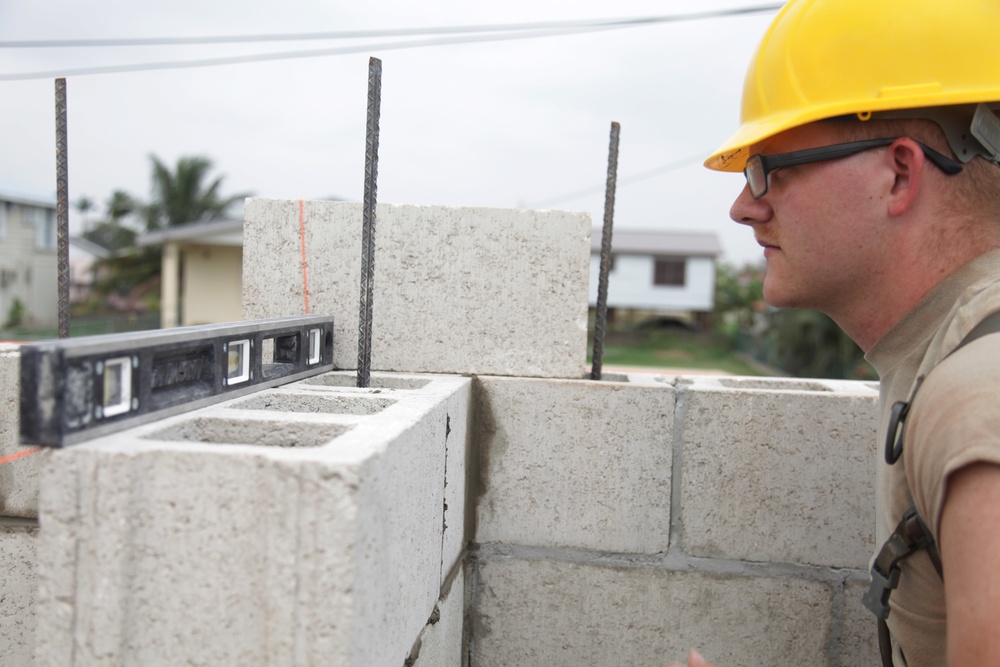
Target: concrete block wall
625, 523
516, 515
616, 522
18, 522
315, 523
456, 290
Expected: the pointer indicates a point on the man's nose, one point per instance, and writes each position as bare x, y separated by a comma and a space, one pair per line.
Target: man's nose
749, 211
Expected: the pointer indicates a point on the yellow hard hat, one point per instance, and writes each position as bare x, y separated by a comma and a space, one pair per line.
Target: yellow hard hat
828, 58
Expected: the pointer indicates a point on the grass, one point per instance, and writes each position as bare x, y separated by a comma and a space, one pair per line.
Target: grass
90, 325
674, 348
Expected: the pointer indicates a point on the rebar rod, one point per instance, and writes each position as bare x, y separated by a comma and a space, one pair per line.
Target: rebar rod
62, 209
601, 315
368, 223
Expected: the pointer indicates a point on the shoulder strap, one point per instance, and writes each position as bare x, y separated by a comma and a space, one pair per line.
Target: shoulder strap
900, 409
989, 324
911, 534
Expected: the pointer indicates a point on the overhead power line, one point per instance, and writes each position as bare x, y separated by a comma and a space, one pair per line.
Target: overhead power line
396, 32
463, 35
624, 180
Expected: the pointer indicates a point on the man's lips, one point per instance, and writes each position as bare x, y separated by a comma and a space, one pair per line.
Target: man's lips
764, 243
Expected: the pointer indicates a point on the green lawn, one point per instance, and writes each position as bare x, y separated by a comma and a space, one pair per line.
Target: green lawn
673, 349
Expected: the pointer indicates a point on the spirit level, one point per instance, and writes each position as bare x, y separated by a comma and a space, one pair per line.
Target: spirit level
80, 388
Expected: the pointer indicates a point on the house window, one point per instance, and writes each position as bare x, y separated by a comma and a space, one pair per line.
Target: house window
3, 219
669, 271
45, 228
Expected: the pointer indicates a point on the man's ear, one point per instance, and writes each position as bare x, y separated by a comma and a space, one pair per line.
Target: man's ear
906, 159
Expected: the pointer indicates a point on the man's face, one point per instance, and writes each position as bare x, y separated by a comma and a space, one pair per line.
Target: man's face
819, 224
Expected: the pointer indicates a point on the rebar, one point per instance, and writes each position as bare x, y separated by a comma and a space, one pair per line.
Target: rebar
368, 223
62, 209
601, 315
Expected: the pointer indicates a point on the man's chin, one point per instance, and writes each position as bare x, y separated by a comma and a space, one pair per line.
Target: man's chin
776, 297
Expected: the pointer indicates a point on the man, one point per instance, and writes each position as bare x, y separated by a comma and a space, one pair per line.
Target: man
870, 143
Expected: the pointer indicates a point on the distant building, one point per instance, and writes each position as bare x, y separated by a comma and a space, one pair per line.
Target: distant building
658, 271
83, 258
201, 278
28, 262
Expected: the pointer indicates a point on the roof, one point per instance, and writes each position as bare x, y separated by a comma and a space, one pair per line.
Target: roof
659, 242
89, 247
217, 232
24, 197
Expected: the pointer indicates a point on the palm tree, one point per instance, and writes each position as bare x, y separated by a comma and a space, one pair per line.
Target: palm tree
112, 232
120, 206
179, 196
182, 196
84, 204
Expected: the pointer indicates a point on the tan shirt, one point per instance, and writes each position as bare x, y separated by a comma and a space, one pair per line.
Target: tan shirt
954, 421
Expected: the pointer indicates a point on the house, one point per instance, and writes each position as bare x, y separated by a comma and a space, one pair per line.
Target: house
662, 272
658, 271
83, 258
201, 279
28, 260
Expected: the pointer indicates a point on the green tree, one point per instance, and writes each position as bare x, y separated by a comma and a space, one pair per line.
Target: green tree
738, 295
15, 316
184, 195
807, 343
84, 205
803, 343
114, 232
179, 196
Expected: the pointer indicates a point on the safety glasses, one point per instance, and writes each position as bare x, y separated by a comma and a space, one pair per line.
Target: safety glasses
758, 167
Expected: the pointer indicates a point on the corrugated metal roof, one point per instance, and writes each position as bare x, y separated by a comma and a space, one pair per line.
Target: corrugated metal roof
89, 247
19, 196
217, 232
659, 242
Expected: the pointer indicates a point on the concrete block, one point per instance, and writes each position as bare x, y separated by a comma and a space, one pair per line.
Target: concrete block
859, 642
458, 464
399, 534
17, 593
18, 478
549, 613
254, 552
778, 470
456, 290
441, 643
574, 463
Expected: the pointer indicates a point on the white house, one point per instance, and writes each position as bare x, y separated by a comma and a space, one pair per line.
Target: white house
201, 279
28, 261
659, 271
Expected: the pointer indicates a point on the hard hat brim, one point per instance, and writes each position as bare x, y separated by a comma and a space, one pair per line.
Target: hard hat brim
732, 155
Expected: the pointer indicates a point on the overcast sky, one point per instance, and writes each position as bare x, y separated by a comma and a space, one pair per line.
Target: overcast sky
511, 123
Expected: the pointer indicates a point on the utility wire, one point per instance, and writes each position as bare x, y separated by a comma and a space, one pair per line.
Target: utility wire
626, 180
397, 32
572, 27
278, 55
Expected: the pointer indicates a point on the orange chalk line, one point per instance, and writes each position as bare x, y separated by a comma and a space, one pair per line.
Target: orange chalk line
302, 232
19, 455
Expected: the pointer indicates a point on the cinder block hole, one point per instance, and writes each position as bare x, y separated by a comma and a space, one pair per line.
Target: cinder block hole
326, 404
773, 385
377, 382
251, 432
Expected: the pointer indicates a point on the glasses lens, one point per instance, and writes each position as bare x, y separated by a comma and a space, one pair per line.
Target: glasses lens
756, 178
